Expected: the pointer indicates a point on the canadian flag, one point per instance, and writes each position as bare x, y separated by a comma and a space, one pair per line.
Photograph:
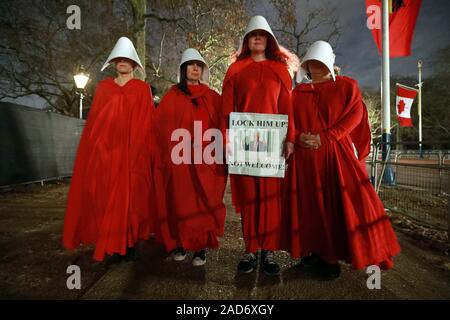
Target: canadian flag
403, 103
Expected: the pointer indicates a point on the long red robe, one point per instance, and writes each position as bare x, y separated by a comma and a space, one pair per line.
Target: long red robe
259, 87
110, 198
191, 212
334, 210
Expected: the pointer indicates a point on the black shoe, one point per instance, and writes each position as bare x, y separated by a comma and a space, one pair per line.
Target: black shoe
114, 259
309, 263
268, 264
330, 271
247, 263
179, 254
130, 255
316, 265
199, 258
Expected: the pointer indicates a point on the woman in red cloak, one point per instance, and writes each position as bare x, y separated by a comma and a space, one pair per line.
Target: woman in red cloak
335, 213
259, 82
191, 212
110, 197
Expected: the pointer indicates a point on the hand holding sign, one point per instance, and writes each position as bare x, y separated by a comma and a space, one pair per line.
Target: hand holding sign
288, 149
258, 146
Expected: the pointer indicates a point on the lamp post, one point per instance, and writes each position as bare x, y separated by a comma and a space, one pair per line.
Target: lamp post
81, 78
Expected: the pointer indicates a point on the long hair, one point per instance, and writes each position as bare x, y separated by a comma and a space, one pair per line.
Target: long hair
272, 52
282, 54
182, 85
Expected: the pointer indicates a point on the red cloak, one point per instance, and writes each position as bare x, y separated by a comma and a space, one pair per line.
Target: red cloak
110, 197
334, 210
191, 212
259, 87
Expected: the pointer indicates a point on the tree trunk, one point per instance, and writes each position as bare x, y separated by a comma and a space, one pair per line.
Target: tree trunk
139, 10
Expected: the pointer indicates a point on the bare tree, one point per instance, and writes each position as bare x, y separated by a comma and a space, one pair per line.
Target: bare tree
373, 105
39, 53
210, 26
138, 10
299, 27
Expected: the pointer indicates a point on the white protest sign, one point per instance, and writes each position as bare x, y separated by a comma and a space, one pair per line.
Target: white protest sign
256, 144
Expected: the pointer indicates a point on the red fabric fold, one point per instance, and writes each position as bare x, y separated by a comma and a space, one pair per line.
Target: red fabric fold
110, 199
333, 209
402, 22
191, 212
259, 87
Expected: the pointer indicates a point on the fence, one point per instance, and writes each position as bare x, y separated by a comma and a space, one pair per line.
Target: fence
36, 145
413, 183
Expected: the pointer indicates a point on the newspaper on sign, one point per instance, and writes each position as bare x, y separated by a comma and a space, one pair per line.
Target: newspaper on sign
256, 144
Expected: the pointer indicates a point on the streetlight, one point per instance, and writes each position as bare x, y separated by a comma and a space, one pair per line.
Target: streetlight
81, 78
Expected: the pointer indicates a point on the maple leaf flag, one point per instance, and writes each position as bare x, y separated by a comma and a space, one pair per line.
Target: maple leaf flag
403, 103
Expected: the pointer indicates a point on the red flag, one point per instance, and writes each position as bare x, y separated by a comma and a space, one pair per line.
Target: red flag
402, 21
403, 103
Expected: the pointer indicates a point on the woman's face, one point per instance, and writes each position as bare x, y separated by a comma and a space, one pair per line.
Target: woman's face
317, 70
194, 70
257, 41
124, 65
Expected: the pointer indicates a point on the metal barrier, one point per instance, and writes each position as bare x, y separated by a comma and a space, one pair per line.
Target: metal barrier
35, 145
421, 186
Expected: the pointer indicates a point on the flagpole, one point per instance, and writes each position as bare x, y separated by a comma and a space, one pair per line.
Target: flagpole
419, 65
388, 177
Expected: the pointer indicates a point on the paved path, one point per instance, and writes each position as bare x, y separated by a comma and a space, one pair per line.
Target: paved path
33, 264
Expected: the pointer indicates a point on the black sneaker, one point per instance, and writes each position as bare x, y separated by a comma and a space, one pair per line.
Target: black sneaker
130, 254
179, 254
247, 263
268, 264
199, 258
316, 265
309, 263
330, 271
114, 259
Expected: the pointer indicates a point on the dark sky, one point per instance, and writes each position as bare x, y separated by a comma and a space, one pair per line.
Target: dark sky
356, 51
